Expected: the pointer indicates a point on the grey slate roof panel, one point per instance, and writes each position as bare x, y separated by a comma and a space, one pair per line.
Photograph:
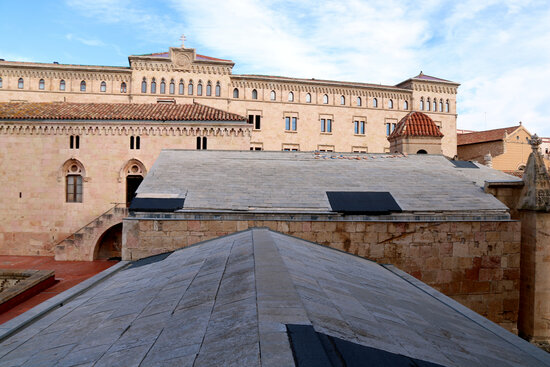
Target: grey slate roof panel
227, 302
299, 180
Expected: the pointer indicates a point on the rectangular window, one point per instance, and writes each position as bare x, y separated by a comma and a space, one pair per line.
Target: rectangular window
323, 125
74, 189
359, 127
388, 129
359, 149
135, 142
362, 127
250, 119
291, 121
329, 125
287, 123
356, 127
256, 146
294, 124
291, 147
74, 142
257, 124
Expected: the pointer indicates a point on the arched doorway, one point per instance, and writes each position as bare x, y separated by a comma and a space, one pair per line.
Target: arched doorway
133, 172
109, 245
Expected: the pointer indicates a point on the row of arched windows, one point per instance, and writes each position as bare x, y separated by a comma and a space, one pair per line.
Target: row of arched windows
359, 100
434, 105
181, 87
63, 85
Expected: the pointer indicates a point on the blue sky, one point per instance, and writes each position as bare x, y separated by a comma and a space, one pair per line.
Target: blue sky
498, 50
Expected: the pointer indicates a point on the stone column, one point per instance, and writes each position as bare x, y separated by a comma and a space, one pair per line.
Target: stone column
534, 212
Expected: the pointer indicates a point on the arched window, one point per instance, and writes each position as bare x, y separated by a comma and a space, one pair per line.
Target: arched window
190, 88
123, 88
181, 87
359, 101
144, 85
434, 105
209, 88
254, 94
162, 86
390, 103
440, 105
103, 87
153, 86
272, 95
342, 100
447, 108
325, 99
405, 105
235, 93
73, 171
83, 86
428, 104
20, 83
62, 85
41, 84
135, 142
202, 143
291, 97
374, 102
172, 87
199, 88
0, 82
218, 89
421, 151
422, 103
308, 98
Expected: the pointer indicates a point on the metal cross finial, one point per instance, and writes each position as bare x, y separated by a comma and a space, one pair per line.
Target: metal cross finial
182, 39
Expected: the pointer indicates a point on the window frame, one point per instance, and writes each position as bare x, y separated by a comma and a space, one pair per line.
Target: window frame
21, 83
83, 86
41, 84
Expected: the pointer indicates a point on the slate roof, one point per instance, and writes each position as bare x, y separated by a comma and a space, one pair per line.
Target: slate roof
114, 111
416, 124
227, 301
287, 181
485, 136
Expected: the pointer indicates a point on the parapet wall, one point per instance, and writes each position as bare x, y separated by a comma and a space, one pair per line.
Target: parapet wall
476, 263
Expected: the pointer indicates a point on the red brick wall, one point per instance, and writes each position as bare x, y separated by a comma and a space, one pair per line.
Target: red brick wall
476, 263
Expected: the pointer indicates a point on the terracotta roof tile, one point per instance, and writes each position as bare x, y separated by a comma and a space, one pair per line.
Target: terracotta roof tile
485, 136
416, 124
114, 111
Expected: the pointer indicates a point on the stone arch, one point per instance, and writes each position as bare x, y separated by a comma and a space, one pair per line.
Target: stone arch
132, 167
71, 166
109, 244
421, 151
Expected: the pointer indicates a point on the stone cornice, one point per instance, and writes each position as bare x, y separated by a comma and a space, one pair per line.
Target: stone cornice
117, 128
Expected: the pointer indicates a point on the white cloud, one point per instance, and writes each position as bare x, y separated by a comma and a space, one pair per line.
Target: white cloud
87, 42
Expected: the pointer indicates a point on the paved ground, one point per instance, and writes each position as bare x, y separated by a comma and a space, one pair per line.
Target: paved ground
67, 273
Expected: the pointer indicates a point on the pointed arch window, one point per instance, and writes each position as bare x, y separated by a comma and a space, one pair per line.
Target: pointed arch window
153, 86
162, 86
422, 103
74, 173
236, 93
41, 84
291, 97
190, 88
272, 95
254, 94
123, 88
61, 85
342, 100
83, 86
209, 88
308, 98
20, 83
405, 105
447, 106
199, 88
218, 89
359, 101
172, 87
103, 87
374, 102
428, 104
181, 87
144, 85
390, 103
440, 105
325, 99
202, 143
434, 106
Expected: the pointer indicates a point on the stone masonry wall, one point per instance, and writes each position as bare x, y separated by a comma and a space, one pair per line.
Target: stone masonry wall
476, 263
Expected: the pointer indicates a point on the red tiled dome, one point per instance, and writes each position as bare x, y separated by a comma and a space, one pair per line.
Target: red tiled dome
416, 124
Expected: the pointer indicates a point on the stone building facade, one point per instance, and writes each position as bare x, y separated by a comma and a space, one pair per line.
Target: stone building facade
64, 164
285, 113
